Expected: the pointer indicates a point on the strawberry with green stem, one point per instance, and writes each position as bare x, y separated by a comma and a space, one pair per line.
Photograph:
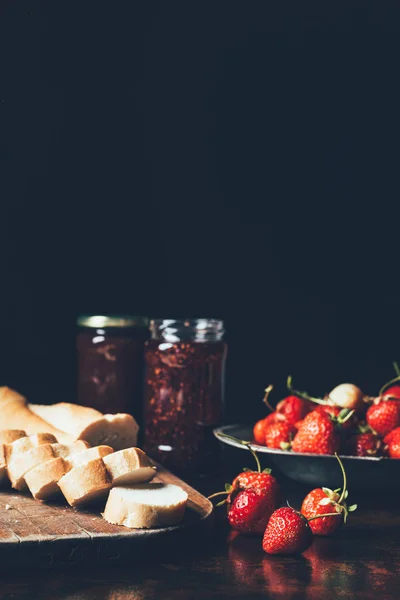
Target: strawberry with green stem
329, 505
251, 497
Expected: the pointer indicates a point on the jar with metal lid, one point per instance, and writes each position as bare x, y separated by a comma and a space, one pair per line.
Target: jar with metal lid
110, 362
184, 391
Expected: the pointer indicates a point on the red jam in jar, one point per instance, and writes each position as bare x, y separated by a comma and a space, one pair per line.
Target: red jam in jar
184, 389
110, 363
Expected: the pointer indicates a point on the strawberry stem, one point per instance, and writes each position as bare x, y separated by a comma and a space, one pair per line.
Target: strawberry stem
267, 392
244, 443
342, 495
389, 384
303, 395
217, 494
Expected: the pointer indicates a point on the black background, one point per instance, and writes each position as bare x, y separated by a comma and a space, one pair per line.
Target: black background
230, 159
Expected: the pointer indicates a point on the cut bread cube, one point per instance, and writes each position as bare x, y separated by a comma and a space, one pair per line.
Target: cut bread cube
3, 465
8, 436
146, 505
86, 456
129, 466
86, 483
42, 480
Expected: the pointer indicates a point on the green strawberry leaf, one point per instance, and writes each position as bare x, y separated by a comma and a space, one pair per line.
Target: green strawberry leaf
352, 508
246, 470
328, 492
266, 471
228, 488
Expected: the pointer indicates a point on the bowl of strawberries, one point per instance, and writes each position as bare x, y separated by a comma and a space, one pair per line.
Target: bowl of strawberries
302, 434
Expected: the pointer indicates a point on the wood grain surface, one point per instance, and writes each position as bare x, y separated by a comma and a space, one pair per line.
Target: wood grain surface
34, 534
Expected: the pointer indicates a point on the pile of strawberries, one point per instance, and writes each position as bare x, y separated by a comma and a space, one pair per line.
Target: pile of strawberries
253, 499
345, 421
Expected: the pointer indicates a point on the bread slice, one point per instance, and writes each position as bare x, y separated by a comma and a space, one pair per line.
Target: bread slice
15, 414
146, 505
129, 466
7, 436
86, 483
27, 443
81, 458
83, 423
42, 480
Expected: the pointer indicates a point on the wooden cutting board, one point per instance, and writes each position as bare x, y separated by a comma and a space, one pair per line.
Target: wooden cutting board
35, 534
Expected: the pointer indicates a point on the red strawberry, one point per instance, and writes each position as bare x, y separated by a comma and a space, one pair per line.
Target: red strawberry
294, 408
262, 483
363, 444
392, 434
339, 415
317, 435
249, 511
260, 427
287, 532
384, 416
323, 501
392, 392
279, 435
245, 513
394, 447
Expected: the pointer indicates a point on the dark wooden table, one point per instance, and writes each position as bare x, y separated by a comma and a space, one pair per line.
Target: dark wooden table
363, 562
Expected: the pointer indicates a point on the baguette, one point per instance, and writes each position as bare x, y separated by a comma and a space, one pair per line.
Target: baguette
129, 466
80, 422
15, 414
85, 483
8, 436
3, 465
146, 505
86, 456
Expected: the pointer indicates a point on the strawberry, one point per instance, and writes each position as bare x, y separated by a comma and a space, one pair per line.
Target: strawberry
249, 511
392, 434
323, 501
279, 435
260, 427
287, 532
293, 408
251, 497
383, 416
317, 435
261, 483
339, 415
363, 444
392, 392
394, 447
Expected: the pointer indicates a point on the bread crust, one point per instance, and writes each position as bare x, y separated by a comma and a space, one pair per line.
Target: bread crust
129, 466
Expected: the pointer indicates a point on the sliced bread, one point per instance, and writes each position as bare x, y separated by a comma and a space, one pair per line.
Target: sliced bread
28, 442
86, 483
43, 479
129, 466
146, 505
7, 436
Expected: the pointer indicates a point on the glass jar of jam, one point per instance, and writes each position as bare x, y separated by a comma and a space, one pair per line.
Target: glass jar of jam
184, 391
110, 363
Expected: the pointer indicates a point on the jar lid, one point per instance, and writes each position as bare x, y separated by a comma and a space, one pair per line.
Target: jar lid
100, 321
